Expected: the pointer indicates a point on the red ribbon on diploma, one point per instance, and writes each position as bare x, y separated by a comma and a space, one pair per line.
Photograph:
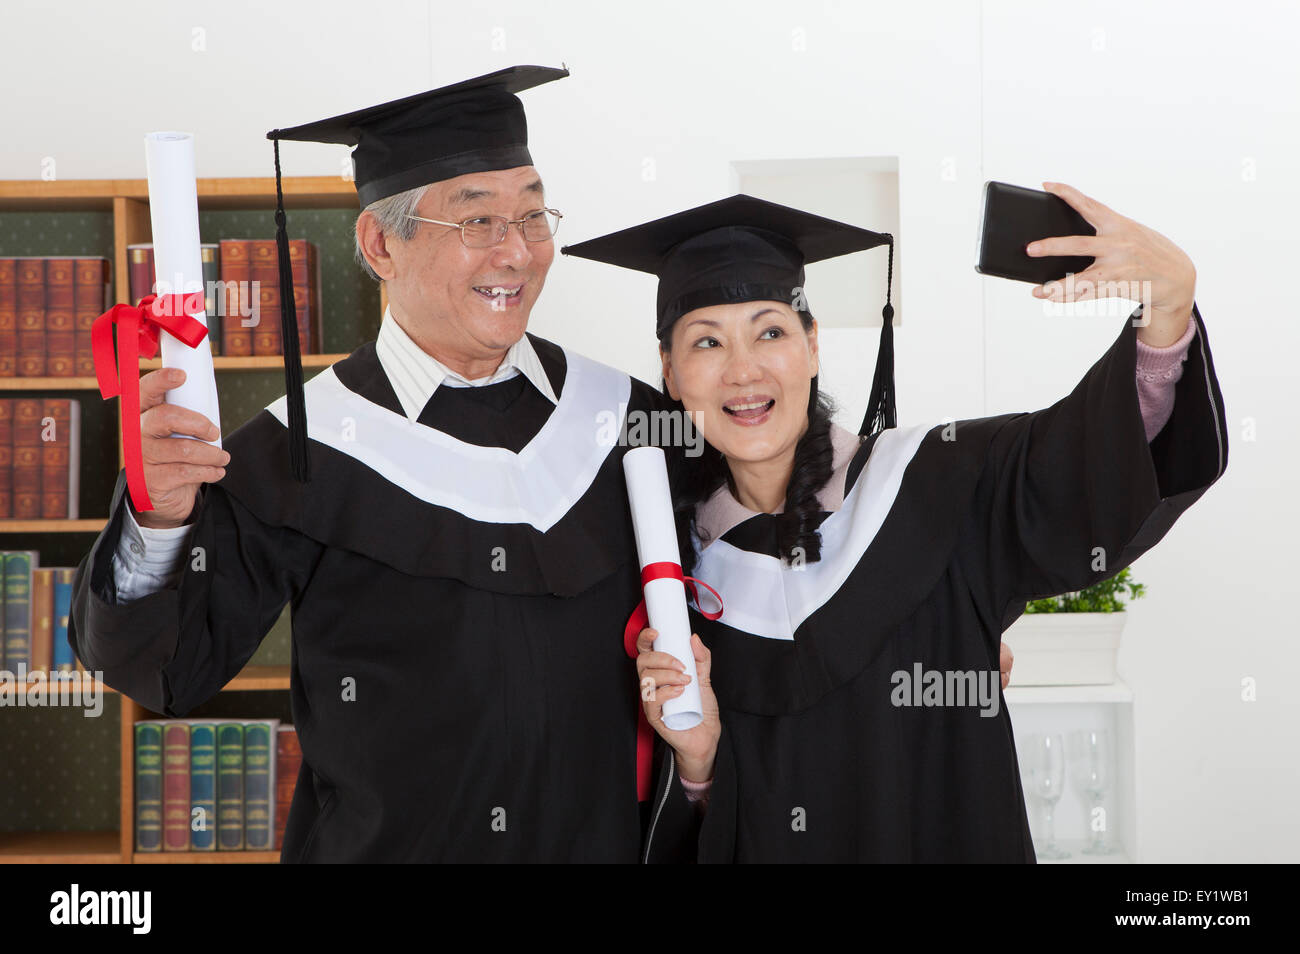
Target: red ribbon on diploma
137, 337
638, 621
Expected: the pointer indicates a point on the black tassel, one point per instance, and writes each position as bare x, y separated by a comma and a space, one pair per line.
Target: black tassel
881, 412
299, 462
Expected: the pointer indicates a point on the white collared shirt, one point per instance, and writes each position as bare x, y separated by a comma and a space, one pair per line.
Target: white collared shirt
147, 560
415, 374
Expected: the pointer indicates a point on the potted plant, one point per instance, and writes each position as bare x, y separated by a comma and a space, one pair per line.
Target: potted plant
1072, 639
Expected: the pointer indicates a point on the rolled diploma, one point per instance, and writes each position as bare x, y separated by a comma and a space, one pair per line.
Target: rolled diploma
665, 599
178, 264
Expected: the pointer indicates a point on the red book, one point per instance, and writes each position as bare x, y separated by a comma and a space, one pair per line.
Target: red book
302, 258
8, 317
288, 762
237, 303
265, 267
27, 458
176, 786
313, 286
89, 301
59, 326
31, 317
60, 461
139, 271
6, 457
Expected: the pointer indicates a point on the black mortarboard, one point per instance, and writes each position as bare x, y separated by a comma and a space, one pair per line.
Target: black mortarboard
474, 126
746, 249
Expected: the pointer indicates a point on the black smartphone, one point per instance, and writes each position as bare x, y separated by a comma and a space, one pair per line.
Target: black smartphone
1012, 217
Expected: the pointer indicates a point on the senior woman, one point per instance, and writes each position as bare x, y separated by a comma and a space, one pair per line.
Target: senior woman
866, 578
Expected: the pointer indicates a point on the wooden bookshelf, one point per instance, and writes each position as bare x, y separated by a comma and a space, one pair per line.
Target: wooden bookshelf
302, 192
127, 200
118, 847
60, 847
53, 525
250, 679
259, 362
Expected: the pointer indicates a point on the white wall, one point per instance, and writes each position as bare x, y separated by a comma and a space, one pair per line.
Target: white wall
1182, 116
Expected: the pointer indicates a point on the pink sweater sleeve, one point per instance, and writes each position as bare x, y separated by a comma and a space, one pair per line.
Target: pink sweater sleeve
1158, 370
697, 791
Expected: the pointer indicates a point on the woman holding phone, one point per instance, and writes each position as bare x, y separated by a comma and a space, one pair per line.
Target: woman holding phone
866, 578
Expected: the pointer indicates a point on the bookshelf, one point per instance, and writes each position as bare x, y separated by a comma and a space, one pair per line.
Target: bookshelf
320, 209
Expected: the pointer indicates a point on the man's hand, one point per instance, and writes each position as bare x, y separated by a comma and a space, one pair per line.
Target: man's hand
1005, 659
174, 467
661, 678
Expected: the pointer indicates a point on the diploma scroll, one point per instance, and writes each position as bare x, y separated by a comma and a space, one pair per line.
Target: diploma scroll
665, 598
178, 264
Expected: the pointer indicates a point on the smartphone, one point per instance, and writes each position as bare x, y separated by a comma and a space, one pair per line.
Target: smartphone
1012, 217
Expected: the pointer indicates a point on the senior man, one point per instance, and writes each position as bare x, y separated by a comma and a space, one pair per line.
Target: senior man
453, 537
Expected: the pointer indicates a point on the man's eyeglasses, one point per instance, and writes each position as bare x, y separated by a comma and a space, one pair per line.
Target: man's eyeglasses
488, 230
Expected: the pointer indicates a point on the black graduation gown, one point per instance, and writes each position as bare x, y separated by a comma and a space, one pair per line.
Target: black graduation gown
459, 588
937, 549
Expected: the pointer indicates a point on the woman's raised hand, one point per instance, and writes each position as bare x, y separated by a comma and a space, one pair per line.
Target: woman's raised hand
1130, 261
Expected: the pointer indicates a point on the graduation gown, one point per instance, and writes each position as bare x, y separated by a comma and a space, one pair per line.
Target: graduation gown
458, 587
944, 535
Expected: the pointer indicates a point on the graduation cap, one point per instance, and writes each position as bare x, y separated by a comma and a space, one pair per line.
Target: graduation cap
474, 126
746, 249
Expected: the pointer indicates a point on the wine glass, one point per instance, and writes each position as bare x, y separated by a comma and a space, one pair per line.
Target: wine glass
1046, 758
1092, 766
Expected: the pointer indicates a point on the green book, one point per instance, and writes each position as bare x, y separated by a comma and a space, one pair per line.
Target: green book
148, 786
259, 784
230, 786
18, 608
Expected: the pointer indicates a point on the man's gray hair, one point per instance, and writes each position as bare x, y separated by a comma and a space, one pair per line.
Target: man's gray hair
391, 216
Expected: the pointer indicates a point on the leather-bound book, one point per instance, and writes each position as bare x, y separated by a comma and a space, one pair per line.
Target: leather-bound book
31, 317
211, 254
27, 458
266, 274
288, 763
139, 271
60, 458
236, 280
59, 326
6, 457
176, 786
148, 785
89, 300
8, 317
42, 656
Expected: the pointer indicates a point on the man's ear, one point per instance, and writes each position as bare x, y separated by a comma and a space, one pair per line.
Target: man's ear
668, 375
374, 246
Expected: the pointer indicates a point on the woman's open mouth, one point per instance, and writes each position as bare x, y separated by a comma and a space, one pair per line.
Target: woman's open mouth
750, 410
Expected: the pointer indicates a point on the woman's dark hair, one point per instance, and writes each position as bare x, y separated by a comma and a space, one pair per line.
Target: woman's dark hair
694, 479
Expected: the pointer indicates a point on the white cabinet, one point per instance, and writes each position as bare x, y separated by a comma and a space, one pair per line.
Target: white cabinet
1065, 709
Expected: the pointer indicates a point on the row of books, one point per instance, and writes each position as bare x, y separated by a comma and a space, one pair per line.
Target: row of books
40, 458
241, 279
47, 308
37, 601
213, 784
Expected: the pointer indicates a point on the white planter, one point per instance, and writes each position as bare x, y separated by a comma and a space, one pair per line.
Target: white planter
1064, 649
